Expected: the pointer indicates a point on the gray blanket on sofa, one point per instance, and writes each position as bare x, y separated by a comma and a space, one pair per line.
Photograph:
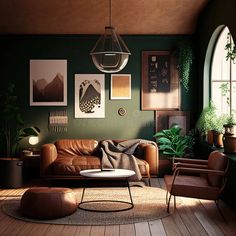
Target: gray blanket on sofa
121, 155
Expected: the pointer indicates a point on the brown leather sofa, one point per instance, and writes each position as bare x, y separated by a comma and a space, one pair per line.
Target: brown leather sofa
67, 157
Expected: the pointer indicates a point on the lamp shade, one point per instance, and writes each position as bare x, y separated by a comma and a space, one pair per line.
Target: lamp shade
33, 140
110, 54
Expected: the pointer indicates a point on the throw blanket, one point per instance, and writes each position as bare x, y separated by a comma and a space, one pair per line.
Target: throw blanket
121, 155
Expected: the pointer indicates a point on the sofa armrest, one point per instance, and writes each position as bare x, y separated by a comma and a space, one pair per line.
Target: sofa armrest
151, 155
48, 156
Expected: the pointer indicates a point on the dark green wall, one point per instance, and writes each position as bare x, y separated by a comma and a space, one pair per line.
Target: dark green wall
216, 14
16, 51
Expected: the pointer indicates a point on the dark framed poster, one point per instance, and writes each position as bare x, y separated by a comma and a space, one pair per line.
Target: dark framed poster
160, 81
165, 119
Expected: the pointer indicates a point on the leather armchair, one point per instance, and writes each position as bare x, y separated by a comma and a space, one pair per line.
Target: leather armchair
66, 157
194, 178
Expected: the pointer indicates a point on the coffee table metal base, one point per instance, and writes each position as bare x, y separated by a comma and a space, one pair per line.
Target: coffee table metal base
130, 204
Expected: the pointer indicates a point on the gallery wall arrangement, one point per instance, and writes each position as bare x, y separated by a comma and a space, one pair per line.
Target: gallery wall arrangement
122, 104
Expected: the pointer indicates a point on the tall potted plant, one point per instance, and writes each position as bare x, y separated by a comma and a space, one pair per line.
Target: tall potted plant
12, 131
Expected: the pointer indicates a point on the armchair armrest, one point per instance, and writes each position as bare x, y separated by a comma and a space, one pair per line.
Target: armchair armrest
189, 165
198, 170
48, 156
151, 155
192, 161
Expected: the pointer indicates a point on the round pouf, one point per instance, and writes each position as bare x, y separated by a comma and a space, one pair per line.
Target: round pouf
48, 203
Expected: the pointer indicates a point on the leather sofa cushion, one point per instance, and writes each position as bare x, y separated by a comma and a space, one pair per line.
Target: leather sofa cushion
76, 147
191, 186
73, 165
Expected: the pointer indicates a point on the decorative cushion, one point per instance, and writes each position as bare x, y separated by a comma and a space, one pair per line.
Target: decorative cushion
76, 147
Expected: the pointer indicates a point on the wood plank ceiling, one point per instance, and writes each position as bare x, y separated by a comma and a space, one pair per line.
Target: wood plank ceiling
90, 16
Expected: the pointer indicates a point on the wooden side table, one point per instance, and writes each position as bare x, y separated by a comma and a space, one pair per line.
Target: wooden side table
31, 166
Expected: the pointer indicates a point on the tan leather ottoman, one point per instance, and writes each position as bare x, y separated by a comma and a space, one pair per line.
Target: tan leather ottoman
48, 203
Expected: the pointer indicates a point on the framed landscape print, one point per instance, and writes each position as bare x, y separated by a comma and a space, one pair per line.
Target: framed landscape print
48, 82
160, 81
120, 86
89, 96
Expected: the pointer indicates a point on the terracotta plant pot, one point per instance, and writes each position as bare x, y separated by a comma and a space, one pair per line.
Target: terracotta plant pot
229, 143
210, 137
218, 139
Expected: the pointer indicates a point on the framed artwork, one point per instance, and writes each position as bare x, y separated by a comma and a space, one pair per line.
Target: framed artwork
120, 86
160, 81
48, 82
89, 96
165, 119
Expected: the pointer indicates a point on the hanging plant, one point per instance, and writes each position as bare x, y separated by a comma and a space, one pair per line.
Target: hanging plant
185, 61
230, 48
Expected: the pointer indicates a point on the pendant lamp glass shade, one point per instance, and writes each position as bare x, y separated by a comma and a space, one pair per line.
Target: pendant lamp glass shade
110, 54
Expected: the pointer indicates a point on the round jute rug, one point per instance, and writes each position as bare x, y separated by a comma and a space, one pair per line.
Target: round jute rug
149, 204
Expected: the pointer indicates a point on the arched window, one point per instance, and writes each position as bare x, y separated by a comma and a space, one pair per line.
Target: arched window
223, 75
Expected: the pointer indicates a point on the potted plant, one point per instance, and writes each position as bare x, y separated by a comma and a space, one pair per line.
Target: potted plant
207, 122
12, 131
230, 125
218, 130
229, 138
173, 144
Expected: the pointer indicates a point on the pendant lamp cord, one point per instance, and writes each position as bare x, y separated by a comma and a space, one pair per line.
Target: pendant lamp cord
110, 12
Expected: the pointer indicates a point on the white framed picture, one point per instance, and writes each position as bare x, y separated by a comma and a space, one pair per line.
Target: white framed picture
89, 96
48, 82
120, 86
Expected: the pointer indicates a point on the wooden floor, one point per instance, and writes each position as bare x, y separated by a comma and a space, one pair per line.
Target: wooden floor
193, 217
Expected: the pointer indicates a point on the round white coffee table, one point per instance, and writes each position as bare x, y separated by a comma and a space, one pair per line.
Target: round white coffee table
120, 174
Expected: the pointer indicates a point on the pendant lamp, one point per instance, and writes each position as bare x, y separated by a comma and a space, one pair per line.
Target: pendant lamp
110, 54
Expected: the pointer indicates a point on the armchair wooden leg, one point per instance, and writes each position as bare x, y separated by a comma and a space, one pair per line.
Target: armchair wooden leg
149, 181
218, 207
166, 197
168, 205
174, 202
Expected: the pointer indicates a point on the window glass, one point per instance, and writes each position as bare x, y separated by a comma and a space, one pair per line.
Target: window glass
223, 76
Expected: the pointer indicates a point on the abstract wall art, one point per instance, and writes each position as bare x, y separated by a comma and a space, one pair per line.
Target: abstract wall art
89, 96
120, 86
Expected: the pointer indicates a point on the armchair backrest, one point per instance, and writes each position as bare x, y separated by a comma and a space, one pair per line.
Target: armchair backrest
76, 147
217, 161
